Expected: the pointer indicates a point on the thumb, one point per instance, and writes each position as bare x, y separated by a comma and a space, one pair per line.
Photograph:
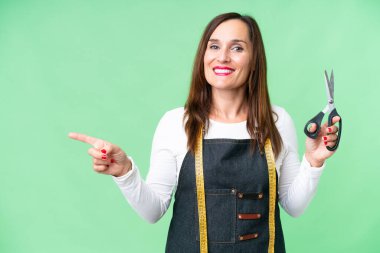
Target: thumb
112, 150
312, 128
106, 148
335, 119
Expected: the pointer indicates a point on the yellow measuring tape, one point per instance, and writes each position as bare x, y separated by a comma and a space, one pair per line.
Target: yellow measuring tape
201, 193
272, 192
202, 201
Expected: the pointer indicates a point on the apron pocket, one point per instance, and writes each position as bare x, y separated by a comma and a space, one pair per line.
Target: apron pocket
220, 215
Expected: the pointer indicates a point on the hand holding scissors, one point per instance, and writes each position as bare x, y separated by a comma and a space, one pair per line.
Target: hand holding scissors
330, 110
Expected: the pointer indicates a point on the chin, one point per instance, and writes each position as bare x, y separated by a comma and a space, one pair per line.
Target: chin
224, 86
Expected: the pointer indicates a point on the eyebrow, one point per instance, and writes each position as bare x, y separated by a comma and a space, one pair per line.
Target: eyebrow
234, 40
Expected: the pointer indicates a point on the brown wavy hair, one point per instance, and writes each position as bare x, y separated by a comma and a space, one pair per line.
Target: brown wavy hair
260, 122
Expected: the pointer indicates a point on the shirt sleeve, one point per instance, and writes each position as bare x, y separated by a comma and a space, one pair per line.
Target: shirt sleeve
151, 199
298, 181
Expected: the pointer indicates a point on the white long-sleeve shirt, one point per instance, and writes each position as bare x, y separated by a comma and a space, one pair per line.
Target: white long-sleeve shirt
297, 184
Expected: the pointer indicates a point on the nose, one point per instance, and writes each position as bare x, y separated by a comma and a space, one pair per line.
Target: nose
224, 55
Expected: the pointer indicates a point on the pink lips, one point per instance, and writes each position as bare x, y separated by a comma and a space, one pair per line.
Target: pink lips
223, 70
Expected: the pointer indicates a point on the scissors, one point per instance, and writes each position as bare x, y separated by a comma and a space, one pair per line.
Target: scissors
329, 109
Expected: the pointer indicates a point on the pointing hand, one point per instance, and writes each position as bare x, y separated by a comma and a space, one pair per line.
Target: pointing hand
107, 158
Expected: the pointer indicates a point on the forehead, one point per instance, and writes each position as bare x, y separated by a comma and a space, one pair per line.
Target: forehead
233, 29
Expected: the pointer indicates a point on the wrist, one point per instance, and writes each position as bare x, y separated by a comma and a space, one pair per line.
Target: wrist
314, 162
125, 169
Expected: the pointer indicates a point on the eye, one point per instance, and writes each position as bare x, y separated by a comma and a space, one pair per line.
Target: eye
213, 47
237, 49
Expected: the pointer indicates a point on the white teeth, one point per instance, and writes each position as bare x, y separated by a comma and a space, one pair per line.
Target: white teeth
223, 71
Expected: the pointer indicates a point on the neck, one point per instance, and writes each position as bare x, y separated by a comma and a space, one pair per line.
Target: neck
228, 106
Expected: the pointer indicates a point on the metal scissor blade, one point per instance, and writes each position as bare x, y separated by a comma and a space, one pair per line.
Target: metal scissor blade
332, 84
329, 86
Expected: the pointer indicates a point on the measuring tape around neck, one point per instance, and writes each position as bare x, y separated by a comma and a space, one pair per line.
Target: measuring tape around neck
272, 192
201, 193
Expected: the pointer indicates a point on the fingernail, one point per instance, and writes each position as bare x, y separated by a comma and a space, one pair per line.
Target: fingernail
329, 129
325, 143
104, 151
104, 157
112, 160
324, 138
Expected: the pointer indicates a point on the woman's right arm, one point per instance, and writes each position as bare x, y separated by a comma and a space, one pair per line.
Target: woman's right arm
149, 199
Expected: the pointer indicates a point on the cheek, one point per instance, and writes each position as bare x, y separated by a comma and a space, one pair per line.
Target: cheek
207, 59
244, 64
208, 74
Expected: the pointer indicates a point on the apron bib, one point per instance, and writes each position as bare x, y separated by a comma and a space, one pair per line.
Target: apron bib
237, 203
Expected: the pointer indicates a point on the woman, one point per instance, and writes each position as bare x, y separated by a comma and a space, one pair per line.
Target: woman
229, 100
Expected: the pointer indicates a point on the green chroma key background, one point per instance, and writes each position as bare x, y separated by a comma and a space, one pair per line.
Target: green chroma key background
112, 68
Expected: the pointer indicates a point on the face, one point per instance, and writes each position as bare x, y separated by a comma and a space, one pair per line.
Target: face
228, 55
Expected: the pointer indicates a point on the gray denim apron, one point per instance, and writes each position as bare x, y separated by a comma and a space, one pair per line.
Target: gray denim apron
237, 204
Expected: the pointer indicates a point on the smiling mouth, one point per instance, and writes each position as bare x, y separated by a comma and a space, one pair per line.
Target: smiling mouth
223, 71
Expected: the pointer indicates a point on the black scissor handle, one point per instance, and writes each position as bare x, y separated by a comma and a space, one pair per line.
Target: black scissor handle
316, 120
330, 123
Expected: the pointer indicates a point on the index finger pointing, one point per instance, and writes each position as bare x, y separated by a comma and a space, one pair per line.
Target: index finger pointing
83, 138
